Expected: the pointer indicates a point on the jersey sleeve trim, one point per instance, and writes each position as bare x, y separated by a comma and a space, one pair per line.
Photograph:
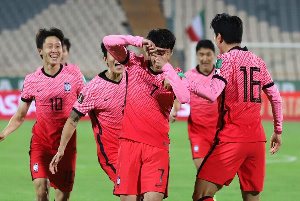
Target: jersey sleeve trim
26, 100
79, 113
220, 78
268, 85
127, 58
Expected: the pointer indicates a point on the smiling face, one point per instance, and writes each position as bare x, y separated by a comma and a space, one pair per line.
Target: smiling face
114, 66
52, 51
205, 57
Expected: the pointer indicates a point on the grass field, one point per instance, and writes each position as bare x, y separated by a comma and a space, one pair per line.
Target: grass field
91, 183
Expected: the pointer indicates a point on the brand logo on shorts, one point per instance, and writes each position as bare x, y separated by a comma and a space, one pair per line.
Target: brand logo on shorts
196, 148
36, 167
118, 181
67, 86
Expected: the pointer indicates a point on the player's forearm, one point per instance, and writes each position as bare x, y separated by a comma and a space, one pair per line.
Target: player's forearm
14, 123
276, 103
67, 133
208, 92
180, 90
115, 45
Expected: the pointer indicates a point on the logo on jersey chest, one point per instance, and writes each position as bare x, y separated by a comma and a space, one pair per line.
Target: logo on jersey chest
67, 86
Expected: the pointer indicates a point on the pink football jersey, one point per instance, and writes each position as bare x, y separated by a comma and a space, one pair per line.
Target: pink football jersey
104, 99
204, 113
245, 76
54, 97
148, 105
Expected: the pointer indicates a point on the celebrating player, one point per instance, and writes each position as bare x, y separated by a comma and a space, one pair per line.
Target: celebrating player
240, 78
143, 161
103, 98
54, 88
202, 121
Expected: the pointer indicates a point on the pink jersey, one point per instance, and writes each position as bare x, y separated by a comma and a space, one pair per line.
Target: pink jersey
204, 113
54, 97
245, 76
148, 104
104, 100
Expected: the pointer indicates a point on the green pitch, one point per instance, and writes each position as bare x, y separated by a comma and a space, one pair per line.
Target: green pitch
91, 183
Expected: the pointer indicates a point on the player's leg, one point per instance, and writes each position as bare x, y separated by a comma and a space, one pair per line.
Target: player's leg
197, 162
251, 195
62, 196
63, 180
252, 172
128, 181
205, 190
153, 196
129, 198
154, 173
42, 186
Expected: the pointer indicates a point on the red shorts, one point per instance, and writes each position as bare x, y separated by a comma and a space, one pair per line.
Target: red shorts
40, 158
200, 146
228, 159
141, 168
107, 152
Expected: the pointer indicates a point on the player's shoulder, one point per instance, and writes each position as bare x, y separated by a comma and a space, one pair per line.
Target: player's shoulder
34, 75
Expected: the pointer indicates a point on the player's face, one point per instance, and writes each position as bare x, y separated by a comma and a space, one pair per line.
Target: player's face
113, 64
65, 55
165, 53
205, 57
52, 51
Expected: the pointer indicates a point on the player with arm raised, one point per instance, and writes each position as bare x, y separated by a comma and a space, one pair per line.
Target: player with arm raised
240, 78
143, 161
103, 98
54, 88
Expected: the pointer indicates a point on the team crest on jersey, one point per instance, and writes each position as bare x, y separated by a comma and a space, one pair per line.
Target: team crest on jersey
218, 66
67, 86
35, 167
118, 181
80, 98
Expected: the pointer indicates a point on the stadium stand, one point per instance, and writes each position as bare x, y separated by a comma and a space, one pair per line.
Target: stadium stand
84, 22
271, 29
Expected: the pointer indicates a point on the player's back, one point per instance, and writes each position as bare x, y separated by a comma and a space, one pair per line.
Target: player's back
240, 103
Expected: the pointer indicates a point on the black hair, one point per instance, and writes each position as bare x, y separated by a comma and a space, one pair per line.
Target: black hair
205, 44
42, 34
67, 43
104, 50
163, 38
230, 27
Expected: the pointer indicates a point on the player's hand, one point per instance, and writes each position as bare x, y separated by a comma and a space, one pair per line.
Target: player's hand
160, 58
275, 143
173, 116
2, 136
55, 161
149, 47
167, 84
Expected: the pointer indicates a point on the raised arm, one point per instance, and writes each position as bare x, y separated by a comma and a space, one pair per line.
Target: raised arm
66, 135
16, 120
276, 103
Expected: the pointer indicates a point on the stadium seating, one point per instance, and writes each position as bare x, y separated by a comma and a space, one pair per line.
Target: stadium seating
85, 23
271, 29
